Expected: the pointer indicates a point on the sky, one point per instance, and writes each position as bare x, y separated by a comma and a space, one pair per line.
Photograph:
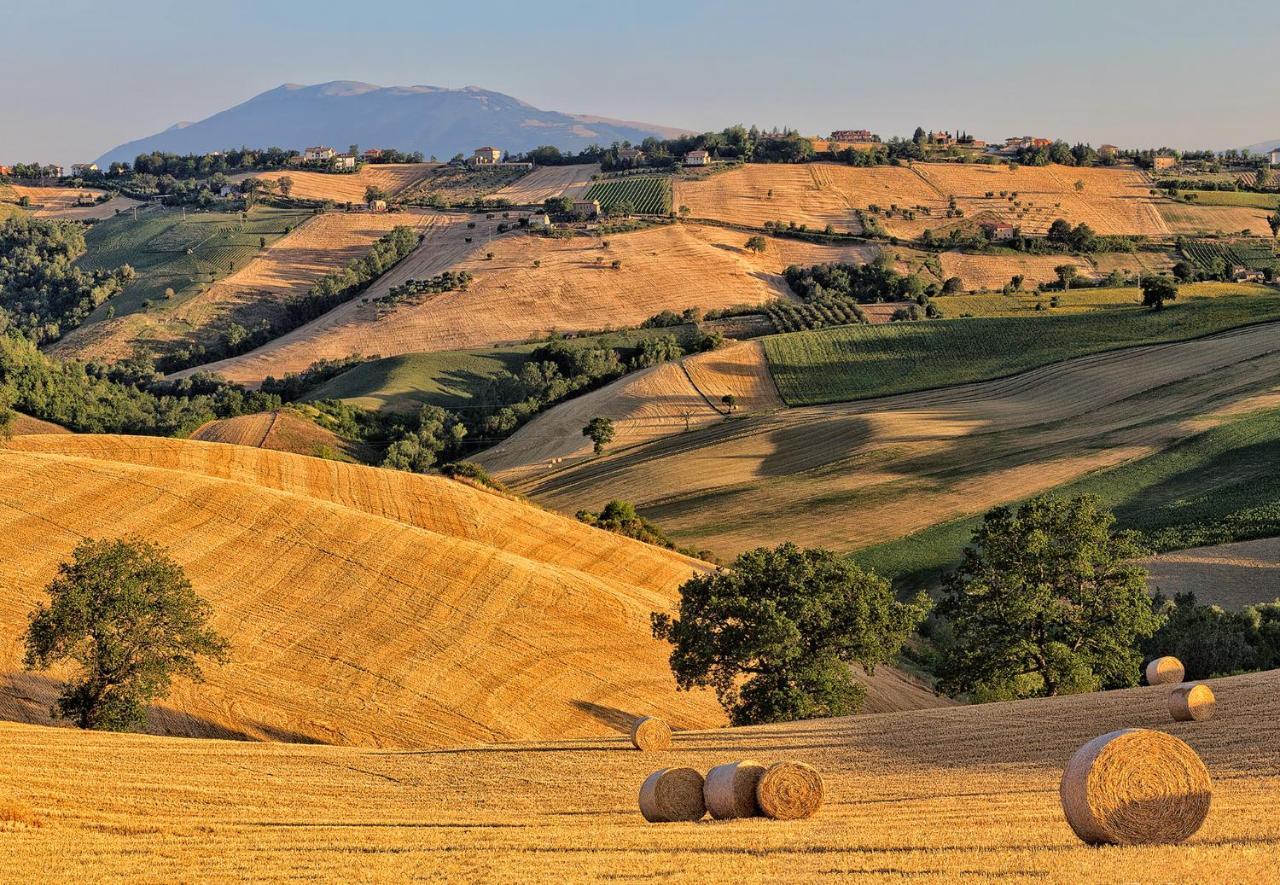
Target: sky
83, 76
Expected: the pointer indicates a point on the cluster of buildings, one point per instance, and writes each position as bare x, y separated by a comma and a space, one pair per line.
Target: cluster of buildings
491, 157
324, 156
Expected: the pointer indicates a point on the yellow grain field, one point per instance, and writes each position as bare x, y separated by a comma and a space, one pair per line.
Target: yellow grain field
347, 188
71, 203
281, 273
363, 606
1186, 219
992, 272
281, 430
968, 793
849, 475
1230, 575
573, 287
549, 181
646, 405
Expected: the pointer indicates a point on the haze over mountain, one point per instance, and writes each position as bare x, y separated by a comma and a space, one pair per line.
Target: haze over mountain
1263, 147
430, 119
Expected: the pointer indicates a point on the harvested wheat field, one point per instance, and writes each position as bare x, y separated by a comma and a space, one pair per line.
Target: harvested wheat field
1186, 219
992, 272
346, 187
363, 606
549, 181
25, 425
1113, 201
261, 290
645, 405
668, 267
849, 475
1230, 575
71, 203
282, 430
966, 792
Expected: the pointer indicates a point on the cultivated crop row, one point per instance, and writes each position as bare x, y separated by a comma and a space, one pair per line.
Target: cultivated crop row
647, 195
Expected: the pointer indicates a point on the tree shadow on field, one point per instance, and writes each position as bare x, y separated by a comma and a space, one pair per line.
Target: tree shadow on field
619, 720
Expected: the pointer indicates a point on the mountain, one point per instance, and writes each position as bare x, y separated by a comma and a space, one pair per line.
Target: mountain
1263, 147
435, 121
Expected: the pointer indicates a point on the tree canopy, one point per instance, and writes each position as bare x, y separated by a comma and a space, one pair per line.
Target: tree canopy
1156, 290
774, 633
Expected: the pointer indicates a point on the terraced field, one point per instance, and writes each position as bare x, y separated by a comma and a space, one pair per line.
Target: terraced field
260, 289
347, 187
363, 606
850, 475
967, 792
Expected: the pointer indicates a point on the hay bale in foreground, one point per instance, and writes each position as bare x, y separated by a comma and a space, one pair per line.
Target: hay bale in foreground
672, 794
1135, 787
1192, 703
1165, 671
650, 734
789, 791
730, 790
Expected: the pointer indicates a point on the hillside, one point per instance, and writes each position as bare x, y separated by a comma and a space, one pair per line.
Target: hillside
851, 474
283, 430
435, 121
346, 188
969, 791
363, 606
1230, 575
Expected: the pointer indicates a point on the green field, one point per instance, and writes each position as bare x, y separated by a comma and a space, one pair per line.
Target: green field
995, 304
1218, 486
648, 195
156, 245
856, 362
1256, 254
1235, 198
452, 379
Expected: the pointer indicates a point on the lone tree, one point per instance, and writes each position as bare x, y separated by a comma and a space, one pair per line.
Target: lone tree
1066, 274
600, 432
774, 634
1047, 601
757, 244
126, 613
730, 401
1156, 290
286, 185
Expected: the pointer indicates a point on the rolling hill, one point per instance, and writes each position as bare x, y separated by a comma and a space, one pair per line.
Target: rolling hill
435, 121
968, 792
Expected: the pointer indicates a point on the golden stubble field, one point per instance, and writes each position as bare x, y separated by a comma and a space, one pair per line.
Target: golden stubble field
363, 606
346, 187
966, 793
64, 202
1230, 575
262, 289
852, 474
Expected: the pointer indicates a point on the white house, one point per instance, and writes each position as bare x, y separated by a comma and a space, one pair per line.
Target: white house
83, 168
344, 161
318, 154
539, 221
1275, 157
697, 158
486, 156
377, 205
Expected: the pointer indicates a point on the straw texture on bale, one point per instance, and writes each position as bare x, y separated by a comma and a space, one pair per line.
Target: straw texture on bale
670, 795
1134, 787
1165, 671
789, 791
1192, 703
730, 790
650, 734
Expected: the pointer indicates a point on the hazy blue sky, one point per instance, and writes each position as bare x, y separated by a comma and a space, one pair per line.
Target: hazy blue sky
78, 77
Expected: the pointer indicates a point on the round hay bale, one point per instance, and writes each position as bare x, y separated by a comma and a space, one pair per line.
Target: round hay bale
1135, 787
672, 794
1192, 703
650, 734
789, 791
730, 790
1165, 671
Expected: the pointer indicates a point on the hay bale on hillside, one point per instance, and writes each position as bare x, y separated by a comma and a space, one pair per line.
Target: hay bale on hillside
650, 734
789, 791
1192, 703
730, 789
670, 795
1134, 787
1165, 671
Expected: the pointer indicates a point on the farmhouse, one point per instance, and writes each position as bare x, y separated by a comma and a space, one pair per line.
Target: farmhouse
5, 170
373, 154
586, 208
1159, 163
854, 135
1242, 274
318, 154
1275, 157
942, 138
344, 161
83, 168
54, 171
377, 205
486, 156
539, 221
999, 231
697, 158
1108, 151
228, 190
630, 155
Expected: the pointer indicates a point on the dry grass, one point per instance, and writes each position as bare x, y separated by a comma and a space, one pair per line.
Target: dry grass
965, 793
1230, 575
347, 188
667, 267
64, 202
549, 181
25, 425
993, 272
1183, 218
283, 430
262, 289
362, 605
850, 475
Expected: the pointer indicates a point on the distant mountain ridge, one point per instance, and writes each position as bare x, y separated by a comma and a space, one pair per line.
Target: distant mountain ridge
430, 119
1263, 147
